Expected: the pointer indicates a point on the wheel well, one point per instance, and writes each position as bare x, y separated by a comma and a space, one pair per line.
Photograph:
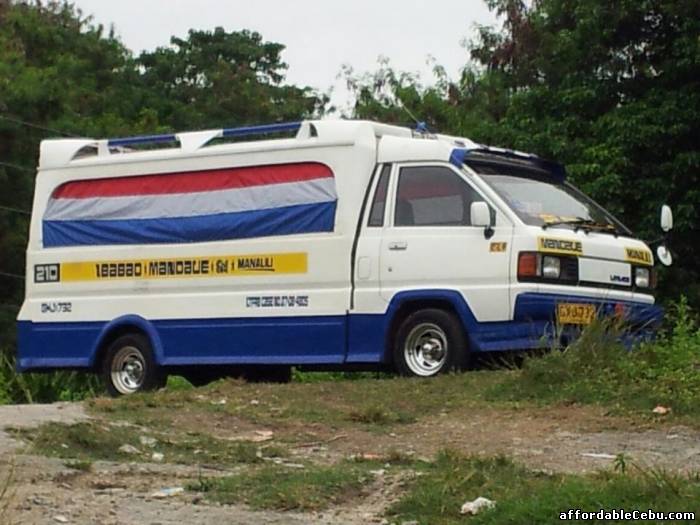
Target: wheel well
112, 335
409, 307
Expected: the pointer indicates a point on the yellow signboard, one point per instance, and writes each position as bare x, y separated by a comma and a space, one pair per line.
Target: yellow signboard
184, 267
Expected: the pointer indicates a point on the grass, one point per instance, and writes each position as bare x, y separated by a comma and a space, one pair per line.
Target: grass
83, 465
283, 488
525, 496
44, 387
367, 403
83, 443
599, 369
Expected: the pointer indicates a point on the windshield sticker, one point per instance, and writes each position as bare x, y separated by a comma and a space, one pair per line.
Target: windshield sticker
565, 246
180, 267
547, 217
639, 256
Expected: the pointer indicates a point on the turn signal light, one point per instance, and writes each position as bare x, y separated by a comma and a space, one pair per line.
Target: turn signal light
527, 264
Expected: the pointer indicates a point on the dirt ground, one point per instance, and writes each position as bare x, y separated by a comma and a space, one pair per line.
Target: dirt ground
559, 439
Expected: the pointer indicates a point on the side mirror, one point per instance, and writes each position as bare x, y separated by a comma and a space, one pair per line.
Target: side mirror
664, 256
666, 218
480, 215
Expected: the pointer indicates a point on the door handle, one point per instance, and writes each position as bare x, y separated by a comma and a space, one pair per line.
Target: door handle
398, 246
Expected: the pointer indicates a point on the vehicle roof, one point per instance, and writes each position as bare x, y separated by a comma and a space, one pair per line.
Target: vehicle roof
394, 143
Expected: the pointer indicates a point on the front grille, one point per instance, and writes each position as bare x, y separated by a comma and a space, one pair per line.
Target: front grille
569, 269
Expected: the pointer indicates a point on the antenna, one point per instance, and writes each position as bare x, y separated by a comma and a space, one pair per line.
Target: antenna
421, 126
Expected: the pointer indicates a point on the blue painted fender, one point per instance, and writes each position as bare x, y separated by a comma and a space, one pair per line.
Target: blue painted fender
135, 321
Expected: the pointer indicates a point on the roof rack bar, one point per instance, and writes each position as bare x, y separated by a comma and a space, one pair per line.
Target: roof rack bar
144, 139
259, 130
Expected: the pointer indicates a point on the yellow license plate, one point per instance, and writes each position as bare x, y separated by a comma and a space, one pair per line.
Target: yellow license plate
573, 313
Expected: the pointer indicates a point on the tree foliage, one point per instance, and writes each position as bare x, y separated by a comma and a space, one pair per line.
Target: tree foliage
611, 89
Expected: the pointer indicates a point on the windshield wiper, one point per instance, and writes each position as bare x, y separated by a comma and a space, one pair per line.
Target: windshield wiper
583, 224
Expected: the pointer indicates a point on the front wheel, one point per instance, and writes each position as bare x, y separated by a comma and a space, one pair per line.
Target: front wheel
129, 366
429, 342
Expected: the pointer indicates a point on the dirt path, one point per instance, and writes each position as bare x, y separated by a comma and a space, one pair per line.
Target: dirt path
570, 439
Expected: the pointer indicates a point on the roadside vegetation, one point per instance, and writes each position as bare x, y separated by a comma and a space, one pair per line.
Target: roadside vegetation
598, 368
526, 496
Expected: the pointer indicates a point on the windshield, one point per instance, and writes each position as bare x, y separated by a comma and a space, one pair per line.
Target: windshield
540, 200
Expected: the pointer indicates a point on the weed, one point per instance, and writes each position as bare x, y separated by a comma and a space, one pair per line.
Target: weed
599, 368
282, 488
525, 496
86, 442
377, 415
82, 465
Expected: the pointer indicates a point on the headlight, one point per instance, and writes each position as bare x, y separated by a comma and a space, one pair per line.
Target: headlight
642, 277
551, 267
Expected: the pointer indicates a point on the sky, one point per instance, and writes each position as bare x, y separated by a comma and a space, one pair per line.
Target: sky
320, 36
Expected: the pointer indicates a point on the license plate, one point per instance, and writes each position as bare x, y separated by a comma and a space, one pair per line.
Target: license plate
574, 313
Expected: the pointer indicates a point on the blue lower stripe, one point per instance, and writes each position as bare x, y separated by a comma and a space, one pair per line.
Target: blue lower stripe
304, 218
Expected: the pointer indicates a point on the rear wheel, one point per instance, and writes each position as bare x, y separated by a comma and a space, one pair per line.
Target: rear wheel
129, 366
429, 342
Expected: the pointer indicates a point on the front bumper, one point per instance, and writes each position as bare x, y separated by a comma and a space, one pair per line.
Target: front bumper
534, 323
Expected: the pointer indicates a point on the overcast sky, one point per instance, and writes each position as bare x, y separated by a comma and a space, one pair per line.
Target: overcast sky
320, 36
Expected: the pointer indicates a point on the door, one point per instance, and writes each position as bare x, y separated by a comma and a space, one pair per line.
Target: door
429, 242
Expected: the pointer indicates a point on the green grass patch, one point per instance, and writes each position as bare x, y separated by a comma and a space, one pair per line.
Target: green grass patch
598, 368
523, 496
87, 442
83, 465
284, 488
373, 403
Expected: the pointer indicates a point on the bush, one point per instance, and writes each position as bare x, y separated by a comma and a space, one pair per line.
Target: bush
43, 387
599, 368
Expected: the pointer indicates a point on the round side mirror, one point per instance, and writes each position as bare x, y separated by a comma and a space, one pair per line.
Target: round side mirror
666, 218
664, 256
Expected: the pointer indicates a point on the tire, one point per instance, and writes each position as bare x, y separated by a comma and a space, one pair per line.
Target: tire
428, 343
130, 367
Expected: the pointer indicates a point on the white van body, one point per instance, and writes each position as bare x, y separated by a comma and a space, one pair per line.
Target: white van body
293, 273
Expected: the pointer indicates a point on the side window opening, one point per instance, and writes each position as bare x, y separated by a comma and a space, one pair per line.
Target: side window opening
376, 213
433, 196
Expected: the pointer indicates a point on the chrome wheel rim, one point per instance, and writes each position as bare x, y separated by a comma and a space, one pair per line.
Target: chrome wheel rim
425, 350
128, 370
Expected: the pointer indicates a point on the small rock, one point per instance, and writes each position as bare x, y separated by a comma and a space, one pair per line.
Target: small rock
221, 401
157, 456
595, 455
60, 519
475, 506
254, 402
378, 473
129, 449
148, 441
661, 410
168, 492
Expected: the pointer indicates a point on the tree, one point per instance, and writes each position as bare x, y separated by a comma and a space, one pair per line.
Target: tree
217, 79
611, 89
